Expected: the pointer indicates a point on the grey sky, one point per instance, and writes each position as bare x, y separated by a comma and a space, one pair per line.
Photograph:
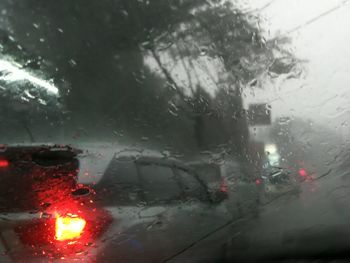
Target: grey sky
323, 94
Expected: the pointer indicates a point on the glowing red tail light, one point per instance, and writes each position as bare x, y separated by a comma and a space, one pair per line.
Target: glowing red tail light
223, 185
69, 227
302, 172
4, 163
258, 182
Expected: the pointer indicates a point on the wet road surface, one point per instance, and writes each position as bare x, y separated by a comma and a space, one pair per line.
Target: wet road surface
313, 224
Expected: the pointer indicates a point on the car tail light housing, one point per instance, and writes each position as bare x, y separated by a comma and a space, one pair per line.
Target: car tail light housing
223, 185
65, 228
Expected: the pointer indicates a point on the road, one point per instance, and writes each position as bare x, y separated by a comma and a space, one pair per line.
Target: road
300, 226
315, 220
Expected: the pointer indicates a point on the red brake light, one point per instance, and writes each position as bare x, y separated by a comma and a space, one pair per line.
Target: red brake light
4, 163
69, 227
302, 172
223, 185
257, 181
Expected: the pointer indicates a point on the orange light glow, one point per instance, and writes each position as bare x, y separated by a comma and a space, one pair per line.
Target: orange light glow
69, 227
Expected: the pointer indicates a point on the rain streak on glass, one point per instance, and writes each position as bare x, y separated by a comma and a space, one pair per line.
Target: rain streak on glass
174, 130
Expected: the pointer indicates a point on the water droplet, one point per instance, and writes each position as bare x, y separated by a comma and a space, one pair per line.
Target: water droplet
203, 51
72, 62
125, 13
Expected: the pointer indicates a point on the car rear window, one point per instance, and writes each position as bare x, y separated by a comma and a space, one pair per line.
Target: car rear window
208, 173
159, 183
119, 184
192, 187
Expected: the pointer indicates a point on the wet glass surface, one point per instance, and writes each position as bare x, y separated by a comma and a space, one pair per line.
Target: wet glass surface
174, 130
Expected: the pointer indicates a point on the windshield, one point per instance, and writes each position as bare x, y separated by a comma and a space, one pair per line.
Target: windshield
174, 130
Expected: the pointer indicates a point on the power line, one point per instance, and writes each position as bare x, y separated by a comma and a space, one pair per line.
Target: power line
313, 20
266, 5
257, 10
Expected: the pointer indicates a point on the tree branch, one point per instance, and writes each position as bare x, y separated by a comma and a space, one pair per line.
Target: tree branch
167, 75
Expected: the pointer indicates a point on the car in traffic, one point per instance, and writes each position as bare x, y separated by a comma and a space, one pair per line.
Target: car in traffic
278, 181
242, 189
53, 208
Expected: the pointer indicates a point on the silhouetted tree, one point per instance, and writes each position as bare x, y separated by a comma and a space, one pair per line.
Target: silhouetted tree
97, 52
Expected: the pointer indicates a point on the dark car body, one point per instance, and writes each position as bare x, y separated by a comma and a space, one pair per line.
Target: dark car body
243, 190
